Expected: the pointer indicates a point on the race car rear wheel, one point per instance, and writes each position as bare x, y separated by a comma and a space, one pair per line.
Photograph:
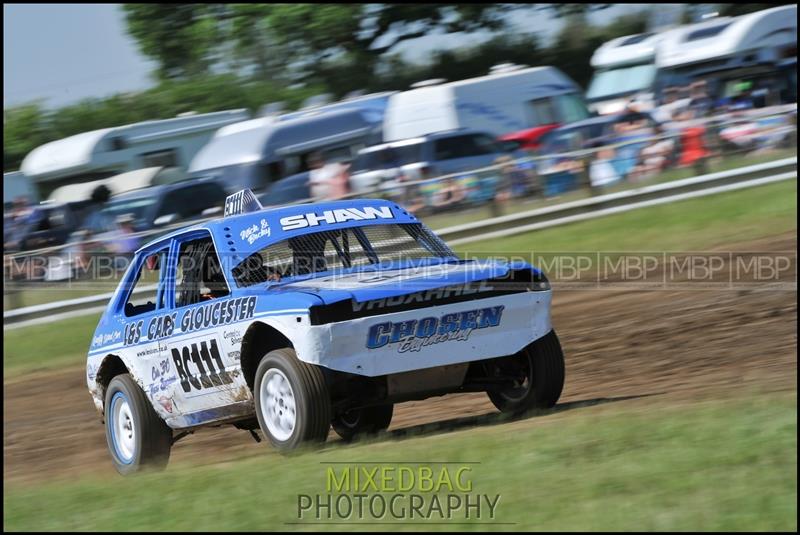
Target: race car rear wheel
364, 421
539, 369
138, 439
292, 401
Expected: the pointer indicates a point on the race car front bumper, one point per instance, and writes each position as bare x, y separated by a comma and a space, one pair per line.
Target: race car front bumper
429, 337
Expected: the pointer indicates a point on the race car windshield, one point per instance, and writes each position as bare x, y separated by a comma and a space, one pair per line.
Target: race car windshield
331, 250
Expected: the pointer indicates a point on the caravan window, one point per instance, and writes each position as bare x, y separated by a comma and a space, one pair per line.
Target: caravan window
621, 81
160, 158
571, 108
338, 155
543, 112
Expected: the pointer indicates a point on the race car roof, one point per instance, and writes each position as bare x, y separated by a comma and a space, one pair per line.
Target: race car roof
246, 233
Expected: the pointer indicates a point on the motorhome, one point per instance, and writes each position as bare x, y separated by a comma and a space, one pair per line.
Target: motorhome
509, 99
730, 53
99, 154
726, 52
255, 153
625, 68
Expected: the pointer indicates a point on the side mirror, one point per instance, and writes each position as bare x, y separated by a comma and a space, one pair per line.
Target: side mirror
165, 220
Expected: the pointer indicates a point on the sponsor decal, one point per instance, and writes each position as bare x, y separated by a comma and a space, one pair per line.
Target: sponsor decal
201, 317
218, 313
254, 232
199, 366
161, 377
423, 296
168, 403
234, 336
91, 371
413, 335
340, 215
133, 332
107, 338
157, 327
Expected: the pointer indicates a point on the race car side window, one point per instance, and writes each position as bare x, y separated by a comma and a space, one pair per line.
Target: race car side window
199, 274
144, 294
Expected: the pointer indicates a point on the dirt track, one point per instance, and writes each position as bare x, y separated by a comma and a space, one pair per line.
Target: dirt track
669, 345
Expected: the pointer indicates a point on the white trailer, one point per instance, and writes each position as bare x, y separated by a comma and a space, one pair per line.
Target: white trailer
509, 99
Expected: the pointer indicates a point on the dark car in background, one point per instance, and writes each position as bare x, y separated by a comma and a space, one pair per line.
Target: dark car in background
289, 190
47, 224
428, 156
158, 206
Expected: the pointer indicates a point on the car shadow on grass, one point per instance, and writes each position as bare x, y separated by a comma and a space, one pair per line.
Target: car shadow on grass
488, 419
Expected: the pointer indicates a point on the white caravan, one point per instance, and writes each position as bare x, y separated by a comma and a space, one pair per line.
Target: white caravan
509, 99
723, 51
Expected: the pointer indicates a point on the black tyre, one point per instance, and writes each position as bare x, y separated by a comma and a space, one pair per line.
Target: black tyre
292, 401
138, 439
540, 367
364, 421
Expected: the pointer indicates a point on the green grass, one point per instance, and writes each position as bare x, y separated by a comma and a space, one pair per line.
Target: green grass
689, 225
48, 345
712, 465
40, 293
684, 226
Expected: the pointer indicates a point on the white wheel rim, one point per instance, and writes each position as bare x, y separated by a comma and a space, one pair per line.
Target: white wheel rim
278, 406
123, 428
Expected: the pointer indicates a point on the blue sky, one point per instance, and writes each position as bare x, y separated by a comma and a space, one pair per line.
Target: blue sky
61, 53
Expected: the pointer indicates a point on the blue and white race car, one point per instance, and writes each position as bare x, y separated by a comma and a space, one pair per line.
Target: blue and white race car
296, 318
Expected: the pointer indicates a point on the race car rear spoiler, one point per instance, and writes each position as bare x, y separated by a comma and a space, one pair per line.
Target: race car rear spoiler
241, 202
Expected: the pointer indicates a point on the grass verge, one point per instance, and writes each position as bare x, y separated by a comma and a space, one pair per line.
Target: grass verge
727, 465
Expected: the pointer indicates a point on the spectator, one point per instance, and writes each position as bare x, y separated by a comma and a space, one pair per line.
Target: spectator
127, 242
693, 145
82, 250
632, 121
654, 157
670, 107
411, 196
327, 180
450, 194
699, 101
602, 171
14, 225
513, 179
98, 220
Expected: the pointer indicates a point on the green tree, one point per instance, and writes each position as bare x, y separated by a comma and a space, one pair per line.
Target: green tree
23, 131
340, 45
181, 38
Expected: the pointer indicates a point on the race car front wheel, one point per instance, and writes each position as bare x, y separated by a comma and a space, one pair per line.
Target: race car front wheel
364, 421
292, 401
538, 372
137, 437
